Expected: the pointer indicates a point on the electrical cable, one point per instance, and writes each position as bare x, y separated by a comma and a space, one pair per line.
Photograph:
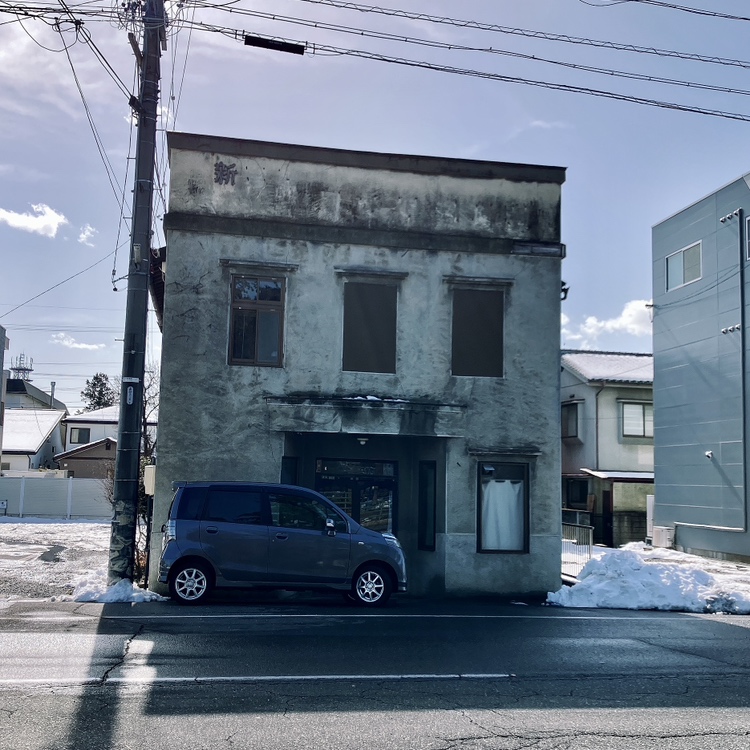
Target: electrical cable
59, 283
468, 24
435, 44
424, 65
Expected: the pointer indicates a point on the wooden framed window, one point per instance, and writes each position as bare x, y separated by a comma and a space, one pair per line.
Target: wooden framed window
257, 319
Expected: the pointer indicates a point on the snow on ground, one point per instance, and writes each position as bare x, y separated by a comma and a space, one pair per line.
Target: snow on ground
638, 576
67, 561
59, 560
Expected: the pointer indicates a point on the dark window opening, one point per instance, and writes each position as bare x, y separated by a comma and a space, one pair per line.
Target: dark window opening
369, 327
426, 505
477, 335
80, 435
569, 415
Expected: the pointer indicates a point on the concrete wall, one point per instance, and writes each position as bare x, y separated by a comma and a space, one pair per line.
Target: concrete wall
320, 217
701, 377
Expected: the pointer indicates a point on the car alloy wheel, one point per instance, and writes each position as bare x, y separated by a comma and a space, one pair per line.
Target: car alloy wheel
190, 584
372, 587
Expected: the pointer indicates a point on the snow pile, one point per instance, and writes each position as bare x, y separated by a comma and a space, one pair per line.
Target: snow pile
93, 588
639, 577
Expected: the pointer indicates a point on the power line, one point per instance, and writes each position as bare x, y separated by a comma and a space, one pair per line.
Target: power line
449, 46
686, 9
59, 283
569, 88
468, 24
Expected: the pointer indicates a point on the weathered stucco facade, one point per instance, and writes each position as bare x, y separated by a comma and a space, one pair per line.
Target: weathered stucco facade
429, 242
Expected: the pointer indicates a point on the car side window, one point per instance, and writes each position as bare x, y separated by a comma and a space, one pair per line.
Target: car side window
296, 512
234, 506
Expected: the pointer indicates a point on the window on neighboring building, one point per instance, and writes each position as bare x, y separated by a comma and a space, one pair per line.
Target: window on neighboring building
477, 332
569, 415
369, 327
257, 321
684, 266
503, 524
638, 420
80, 435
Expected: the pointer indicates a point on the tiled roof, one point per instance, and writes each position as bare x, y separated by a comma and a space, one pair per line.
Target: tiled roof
610, 367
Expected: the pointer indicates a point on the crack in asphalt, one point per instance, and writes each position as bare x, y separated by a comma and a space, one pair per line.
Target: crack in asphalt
123, 658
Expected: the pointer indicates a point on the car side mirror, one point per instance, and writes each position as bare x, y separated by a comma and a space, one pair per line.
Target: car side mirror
330, 527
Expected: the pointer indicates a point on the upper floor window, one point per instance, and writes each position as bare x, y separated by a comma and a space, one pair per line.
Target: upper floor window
569, 414
256, 326
684, 266
477, 332
370, 327
80, 435
638, 420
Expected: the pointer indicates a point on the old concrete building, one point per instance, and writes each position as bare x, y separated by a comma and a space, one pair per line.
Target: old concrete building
382, 328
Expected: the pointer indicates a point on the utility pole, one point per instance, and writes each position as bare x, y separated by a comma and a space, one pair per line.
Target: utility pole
129, 429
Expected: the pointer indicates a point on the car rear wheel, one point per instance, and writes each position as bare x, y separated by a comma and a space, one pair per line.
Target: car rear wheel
191, 583
372, 587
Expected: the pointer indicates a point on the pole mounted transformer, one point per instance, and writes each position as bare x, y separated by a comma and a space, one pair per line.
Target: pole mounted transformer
129, 429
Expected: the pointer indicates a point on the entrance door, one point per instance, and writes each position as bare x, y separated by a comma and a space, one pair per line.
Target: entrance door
366, 490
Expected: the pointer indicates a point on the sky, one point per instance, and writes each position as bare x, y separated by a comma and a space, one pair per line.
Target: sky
634, 577
64, 114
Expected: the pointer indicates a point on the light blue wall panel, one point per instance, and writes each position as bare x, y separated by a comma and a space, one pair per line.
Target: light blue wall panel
699, 383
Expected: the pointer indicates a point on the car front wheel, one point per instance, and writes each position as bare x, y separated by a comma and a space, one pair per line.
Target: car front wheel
191, 584
372, 587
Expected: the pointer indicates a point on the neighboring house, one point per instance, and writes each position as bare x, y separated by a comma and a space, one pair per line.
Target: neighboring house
382, 328
31, 438
701, 375
93, 426
607, 442
95, 460
4, 345
22, 394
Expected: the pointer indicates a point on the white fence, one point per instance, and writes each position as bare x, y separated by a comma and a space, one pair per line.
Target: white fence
49, 497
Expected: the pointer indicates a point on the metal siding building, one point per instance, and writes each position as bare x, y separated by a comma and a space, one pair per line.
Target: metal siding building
700, 373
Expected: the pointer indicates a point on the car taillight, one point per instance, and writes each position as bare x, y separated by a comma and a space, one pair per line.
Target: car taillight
170, 531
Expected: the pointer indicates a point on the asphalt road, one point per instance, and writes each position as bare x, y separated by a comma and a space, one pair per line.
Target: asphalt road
310, 672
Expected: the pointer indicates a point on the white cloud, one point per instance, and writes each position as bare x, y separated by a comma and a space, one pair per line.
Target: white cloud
87, 234
70, 343
548, 125
634, 320
44, 220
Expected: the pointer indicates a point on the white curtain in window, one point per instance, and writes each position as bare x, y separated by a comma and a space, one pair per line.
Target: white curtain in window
502, 515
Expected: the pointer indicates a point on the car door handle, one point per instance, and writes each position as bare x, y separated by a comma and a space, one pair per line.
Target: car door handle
282, 537
212, 529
